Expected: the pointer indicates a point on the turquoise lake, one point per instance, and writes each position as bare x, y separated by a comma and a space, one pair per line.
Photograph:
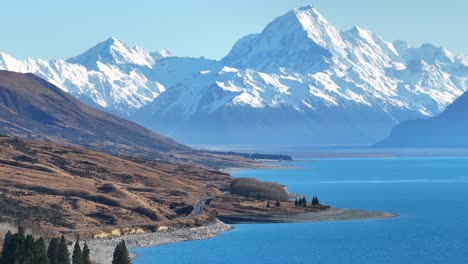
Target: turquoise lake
429, 194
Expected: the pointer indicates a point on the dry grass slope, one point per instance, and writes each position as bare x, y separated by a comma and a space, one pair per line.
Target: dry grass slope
63, 187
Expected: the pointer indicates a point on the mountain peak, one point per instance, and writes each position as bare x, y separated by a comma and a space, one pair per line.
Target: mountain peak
357, 30
310, 10
157, 55
306, 8
426, 52
8, 62
301, 40
309, 15
361, 33
113, 51
110, 41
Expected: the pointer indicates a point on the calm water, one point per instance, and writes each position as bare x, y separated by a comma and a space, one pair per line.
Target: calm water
429, 194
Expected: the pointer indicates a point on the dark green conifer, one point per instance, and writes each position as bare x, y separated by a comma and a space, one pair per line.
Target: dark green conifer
315, 201
27, 254
86, 258
52, 250
121, 255
77, 257
63, 256
10, 249
6, 243
40, 252
8, 237
20, 237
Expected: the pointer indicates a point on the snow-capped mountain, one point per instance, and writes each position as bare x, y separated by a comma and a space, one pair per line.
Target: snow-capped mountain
301, 81
114, 52
111, 75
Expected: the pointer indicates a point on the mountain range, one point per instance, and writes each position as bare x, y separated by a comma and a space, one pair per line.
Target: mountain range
299, 81
449, 129
31, 107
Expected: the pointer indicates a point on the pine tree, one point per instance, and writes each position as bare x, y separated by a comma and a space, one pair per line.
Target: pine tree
278, 204
77, 257
86, 258
115, 255
315, 201
52, 250
63, 256
8, 237
296, 202
28, 250
121, 255
10, 249
20, 238
40, 252
6, 243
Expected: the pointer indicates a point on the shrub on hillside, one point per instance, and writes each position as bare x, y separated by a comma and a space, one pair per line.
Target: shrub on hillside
257, 189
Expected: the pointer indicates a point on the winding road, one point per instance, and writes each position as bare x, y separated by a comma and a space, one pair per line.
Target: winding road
198, 207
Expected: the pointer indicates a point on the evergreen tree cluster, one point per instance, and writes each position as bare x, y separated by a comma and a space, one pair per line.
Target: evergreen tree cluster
80, 256
302, 202
315, 201
121, 255
20, 248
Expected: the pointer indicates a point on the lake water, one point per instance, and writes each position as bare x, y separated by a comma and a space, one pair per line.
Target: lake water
429, 194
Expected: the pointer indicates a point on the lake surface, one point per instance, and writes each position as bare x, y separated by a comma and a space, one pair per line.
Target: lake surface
429, 194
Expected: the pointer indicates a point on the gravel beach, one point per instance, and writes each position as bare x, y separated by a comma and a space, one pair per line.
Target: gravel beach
102, 249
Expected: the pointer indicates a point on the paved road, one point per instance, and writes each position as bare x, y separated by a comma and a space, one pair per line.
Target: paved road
198, 207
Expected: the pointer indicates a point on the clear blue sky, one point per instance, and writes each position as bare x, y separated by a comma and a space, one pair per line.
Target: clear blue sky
61, 29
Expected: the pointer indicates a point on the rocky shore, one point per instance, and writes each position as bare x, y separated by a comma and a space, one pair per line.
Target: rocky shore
102, 249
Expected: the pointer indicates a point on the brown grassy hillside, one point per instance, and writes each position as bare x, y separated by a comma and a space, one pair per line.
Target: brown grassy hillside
74, 188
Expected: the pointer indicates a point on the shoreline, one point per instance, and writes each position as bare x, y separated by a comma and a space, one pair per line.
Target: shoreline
328, 215
102, 249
